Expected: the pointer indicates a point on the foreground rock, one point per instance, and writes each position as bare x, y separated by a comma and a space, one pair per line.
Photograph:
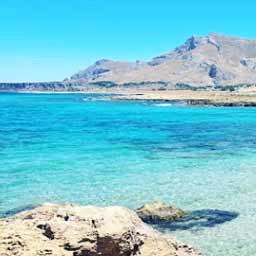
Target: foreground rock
63, 230
158, 211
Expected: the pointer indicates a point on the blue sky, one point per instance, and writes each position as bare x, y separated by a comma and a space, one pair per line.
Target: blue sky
44, 40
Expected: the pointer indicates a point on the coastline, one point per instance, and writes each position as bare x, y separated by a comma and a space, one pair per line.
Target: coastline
241, 98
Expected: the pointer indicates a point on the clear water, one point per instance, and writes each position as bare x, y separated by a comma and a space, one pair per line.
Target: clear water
60, 148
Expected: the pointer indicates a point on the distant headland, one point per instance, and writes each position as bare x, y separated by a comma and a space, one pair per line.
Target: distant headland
213, 63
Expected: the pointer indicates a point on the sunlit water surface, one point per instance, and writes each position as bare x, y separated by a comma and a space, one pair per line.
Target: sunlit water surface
62, 148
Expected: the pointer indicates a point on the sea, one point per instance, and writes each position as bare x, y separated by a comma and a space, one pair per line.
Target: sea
68, 148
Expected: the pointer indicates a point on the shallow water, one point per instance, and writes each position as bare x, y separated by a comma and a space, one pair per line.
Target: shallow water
62, 148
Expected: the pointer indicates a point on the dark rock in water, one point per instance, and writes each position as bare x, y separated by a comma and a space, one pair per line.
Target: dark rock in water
158, 211
205, 218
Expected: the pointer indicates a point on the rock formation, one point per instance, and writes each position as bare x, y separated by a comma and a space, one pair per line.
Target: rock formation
211, 60
65, 230
158, 211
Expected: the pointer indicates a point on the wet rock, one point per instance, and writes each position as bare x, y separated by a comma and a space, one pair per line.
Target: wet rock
158, 211
89, 231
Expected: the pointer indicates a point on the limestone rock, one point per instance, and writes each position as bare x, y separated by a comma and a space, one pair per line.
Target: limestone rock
158, 211
69, 230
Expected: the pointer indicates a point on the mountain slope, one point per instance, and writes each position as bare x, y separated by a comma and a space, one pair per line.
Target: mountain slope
201, 61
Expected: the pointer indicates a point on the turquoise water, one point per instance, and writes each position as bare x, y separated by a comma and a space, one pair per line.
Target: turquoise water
62, 148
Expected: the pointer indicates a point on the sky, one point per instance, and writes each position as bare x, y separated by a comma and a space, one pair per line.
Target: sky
49, 40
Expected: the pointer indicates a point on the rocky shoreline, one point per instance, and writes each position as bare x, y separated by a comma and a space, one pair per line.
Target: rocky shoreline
72, 230
196, 102
242, 98
191, 98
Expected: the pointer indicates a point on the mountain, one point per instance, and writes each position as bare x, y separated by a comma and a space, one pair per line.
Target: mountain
212, 60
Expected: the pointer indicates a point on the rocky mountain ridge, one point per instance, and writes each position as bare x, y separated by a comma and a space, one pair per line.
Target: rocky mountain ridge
203, 62
212, 60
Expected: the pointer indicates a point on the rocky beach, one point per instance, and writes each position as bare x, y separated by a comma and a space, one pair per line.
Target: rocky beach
246, 98
73, 230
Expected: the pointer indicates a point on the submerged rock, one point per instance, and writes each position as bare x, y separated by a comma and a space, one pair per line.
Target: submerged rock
198, 219
69, 230
159, 211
